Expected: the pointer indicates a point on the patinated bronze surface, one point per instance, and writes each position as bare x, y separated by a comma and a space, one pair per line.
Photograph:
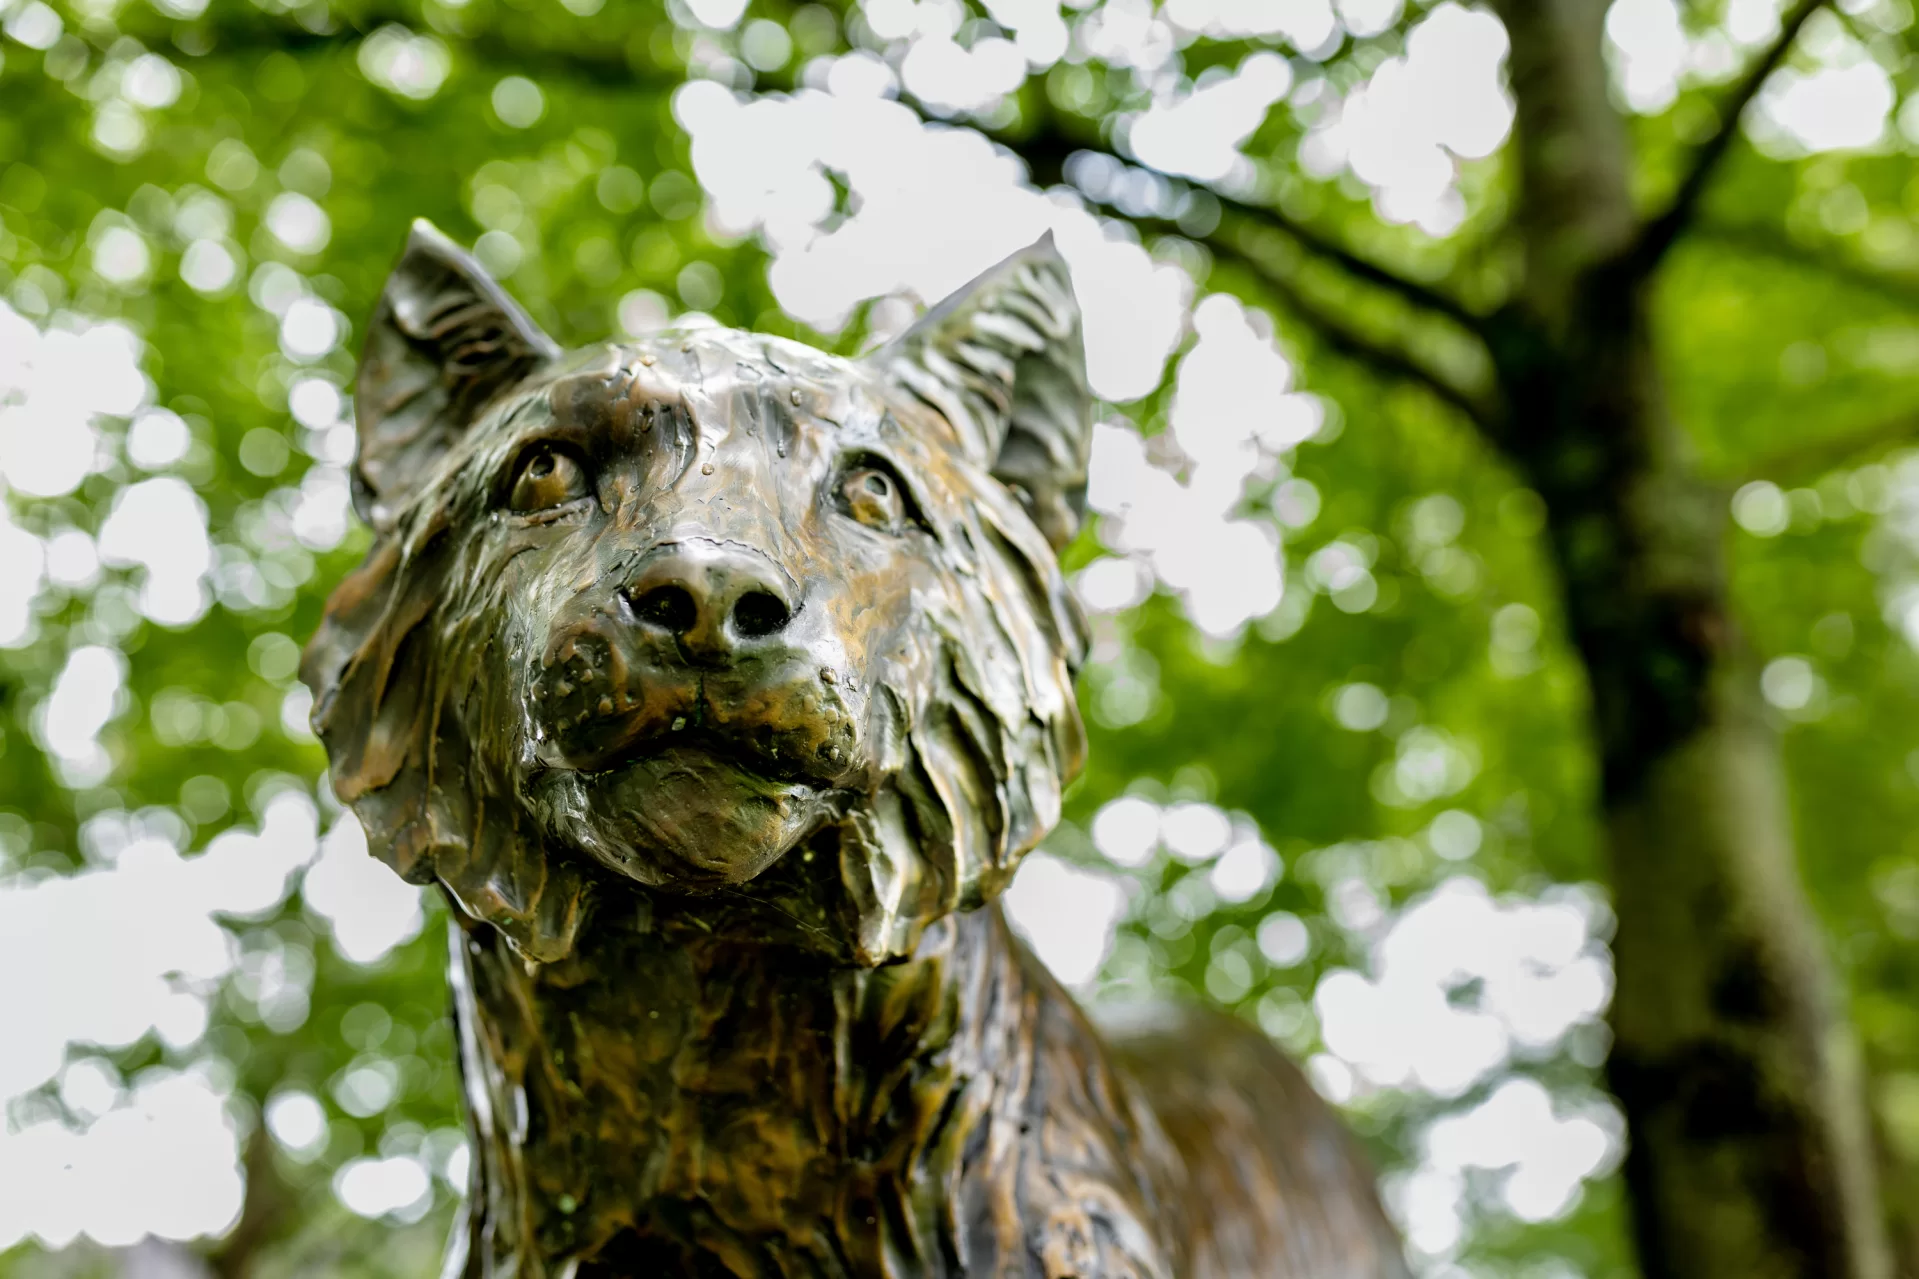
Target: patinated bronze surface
721, 685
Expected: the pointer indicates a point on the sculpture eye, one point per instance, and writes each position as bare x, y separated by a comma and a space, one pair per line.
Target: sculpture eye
872, 496
548, 478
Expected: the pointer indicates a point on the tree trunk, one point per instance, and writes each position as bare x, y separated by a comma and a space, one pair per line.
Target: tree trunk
1750, 1153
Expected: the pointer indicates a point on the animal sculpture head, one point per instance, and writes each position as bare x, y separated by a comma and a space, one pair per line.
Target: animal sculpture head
777, 637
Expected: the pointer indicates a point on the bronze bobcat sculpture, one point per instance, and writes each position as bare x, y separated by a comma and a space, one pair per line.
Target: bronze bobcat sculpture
721, 685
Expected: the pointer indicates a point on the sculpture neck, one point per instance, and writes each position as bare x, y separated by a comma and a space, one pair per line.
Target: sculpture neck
663, 1094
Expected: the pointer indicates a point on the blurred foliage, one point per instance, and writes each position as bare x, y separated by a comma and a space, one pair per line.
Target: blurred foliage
1788, 320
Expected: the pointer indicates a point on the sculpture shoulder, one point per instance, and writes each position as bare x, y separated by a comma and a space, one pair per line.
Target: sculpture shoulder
1272, 1184
1092, 1190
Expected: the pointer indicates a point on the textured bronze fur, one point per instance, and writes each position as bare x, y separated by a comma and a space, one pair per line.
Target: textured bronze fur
721, 685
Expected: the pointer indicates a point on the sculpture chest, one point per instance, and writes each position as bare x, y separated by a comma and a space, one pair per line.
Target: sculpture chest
667, 1100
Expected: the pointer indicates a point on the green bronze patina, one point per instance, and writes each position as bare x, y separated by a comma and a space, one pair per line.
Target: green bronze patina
721, 685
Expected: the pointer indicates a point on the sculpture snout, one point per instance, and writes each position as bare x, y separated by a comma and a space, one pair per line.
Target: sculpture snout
713, 599
698, 642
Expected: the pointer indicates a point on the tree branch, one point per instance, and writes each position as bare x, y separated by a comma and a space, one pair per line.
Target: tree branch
227, 32
1045, 145
1319, 245
264, 1212
1768, 240
1657, 234
1339, 333
1815, 458
1045, 148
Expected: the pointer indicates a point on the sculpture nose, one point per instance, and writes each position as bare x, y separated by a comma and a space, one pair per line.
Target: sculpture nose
712, 599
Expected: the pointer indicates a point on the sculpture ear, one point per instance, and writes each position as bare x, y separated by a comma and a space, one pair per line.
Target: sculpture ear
386, 670
444, 340
1003, 361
